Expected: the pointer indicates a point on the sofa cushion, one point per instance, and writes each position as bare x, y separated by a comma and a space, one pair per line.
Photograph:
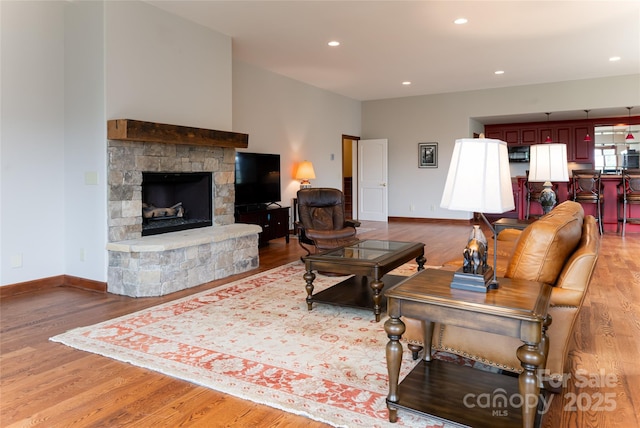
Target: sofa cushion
544, 247
577, 271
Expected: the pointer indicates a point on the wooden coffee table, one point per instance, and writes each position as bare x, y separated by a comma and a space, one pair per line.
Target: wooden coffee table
446, 391
369, 261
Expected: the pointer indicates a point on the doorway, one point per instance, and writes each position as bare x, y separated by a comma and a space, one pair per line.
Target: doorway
349, 168
364, 178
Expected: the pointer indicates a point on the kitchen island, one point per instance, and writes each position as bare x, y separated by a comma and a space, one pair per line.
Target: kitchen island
609, 207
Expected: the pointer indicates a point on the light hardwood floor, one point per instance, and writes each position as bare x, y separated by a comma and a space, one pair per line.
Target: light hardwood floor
51, 385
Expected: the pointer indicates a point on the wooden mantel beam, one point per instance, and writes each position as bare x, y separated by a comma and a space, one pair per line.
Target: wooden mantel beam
137, 130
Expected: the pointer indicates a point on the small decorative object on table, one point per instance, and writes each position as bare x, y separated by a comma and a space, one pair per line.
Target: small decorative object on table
475, 271
475, 253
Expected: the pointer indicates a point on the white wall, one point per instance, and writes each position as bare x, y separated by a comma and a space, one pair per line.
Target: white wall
66, 68
85, 145
32, 225
444, 118
162, 68
299, 121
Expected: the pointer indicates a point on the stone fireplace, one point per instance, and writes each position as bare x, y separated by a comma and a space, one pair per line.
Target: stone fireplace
171, 162
129, 159
173, 201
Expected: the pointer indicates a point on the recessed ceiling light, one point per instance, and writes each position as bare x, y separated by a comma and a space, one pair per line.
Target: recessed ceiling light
334, 43
614, 58
406, 83
498, 72
460, 21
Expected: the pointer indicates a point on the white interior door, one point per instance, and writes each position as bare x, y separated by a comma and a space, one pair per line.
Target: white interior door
372, 180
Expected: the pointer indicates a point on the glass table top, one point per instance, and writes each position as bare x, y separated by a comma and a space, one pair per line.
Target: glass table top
367, 250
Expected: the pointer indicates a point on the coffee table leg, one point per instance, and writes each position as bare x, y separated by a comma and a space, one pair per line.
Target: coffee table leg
377, 287
421, 261
394, 327
309, 276
530, 358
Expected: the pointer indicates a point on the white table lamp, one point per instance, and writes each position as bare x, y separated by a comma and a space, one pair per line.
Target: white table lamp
548, 162
479, 180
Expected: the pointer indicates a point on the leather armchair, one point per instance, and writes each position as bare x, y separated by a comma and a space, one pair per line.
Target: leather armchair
561, 248
322, 225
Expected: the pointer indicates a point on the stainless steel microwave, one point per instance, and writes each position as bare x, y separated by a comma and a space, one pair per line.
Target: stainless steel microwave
518, 153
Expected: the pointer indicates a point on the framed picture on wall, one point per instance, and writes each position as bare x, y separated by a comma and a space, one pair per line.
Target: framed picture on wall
428, 155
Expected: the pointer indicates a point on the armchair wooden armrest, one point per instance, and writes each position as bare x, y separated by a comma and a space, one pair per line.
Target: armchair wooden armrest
352, 223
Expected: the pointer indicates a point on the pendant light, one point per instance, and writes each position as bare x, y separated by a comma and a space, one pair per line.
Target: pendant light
629, 136
548, 139
587, 138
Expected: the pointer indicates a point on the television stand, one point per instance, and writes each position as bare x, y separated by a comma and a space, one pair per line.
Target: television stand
250, 208
274, 221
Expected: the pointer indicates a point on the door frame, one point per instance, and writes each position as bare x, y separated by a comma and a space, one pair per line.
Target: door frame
350, 142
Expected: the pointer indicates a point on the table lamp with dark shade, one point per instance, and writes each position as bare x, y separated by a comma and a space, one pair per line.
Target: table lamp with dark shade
479, 180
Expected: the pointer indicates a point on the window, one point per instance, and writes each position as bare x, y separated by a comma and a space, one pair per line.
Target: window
606, 158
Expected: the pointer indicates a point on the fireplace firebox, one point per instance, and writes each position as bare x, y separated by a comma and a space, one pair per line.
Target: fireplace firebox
173, 201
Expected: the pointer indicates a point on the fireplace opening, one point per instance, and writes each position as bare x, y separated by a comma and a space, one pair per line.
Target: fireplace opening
173, 201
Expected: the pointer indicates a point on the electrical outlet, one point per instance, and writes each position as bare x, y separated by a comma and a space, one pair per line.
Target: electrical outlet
433, 207
83, 255
16, 261
91, 178
412, 207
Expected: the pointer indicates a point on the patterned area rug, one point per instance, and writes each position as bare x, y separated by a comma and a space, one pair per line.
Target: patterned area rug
255, 339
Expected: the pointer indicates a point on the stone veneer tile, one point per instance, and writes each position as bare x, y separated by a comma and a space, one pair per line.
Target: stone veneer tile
131, 209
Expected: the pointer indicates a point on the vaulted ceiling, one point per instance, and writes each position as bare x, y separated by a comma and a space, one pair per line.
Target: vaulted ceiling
385, 43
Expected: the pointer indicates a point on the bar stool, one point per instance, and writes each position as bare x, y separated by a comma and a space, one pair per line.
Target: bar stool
628, 194
534, 190
586, 188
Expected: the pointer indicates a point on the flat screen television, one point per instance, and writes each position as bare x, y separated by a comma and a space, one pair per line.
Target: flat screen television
257, 181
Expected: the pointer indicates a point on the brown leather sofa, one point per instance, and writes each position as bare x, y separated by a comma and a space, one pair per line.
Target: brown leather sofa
561, 248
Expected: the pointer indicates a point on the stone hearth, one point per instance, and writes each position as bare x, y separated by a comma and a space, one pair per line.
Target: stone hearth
161, 264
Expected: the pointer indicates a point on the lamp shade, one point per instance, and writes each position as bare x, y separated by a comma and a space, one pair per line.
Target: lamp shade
479, 179
548, 162
305, 171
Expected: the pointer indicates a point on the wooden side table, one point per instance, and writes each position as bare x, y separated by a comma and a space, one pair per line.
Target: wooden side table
511, 223
517, 309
